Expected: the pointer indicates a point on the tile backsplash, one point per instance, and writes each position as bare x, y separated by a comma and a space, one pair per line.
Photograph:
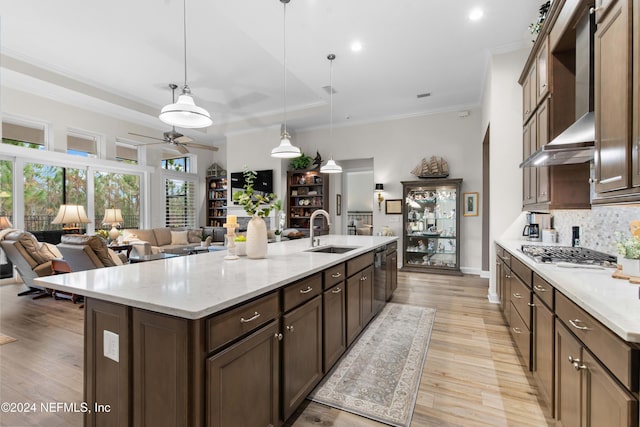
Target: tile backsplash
597, 225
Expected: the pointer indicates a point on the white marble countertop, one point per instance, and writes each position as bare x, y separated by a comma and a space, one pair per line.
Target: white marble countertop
196, 286
614, 302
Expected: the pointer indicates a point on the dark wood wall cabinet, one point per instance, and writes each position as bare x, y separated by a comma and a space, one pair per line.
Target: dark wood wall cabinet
250, 365
586, 374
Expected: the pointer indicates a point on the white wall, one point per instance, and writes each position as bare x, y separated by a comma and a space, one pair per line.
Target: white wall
357, 199
502, 108
397, 146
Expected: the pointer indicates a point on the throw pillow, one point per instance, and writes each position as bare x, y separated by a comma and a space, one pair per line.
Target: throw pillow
179, 237
194, 236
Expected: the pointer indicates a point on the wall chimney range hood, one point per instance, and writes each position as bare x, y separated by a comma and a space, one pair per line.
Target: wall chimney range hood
576, 144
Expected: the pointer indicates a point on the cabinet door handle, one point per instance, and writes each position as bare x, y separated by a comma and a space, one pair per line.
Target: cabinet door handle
572, 360
517, 295
507, 276
336, 275
306, 291
278, 336
336, 291
539, 288
516, 330
531, 304
290, 328
575, 322
251, 319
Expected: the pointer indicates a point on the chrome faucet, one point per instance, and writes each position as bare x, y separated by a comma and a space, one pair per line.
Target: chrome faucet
313, 217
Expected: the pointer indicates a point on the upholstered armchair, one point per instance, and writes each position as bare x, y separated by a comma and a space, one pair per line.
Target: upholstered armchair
83, 252
30, 258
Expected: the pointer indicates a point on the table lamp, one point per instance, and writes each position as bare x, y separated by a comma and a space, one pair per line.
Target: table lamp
113, 217
71, 214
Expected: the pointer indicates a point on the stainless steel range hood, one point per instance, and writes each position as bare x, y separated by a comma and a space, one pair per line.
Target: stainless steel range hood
576, 144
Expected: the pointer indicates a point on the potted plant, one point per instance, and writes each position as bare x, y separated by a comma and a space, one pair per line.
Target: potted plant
301, 162
258, 206
629, 255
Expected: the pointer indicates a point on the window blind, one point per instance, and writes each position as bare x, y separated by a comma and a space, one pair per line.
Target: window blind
180, 204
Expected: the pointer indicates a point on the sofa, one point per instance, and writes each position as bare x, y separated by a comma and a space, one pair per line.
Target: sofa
158, 240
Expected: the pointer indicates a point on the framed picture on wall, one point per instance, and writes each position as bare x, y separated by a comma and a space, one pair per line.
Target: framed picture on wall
393, 207
470, 204
338, 204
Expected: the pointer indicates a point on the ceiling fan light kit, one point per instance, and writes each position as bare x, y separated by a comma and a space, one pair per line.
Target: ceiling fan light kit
285, 150
185, 113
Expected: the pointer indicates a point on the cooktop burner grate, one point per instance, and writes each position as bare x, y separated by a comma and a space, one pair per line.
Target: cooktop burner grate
576, 255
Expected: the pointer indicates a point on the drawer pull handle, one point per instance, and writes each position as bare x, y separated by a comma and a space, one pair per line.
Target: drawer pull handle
517, 295
290, 328
539, 288
577, 366
306, 291
278, 336
336, 291
572, 360
575, 322
612, 179
251, 319
516, 330
336, 275
531, 304
507, 276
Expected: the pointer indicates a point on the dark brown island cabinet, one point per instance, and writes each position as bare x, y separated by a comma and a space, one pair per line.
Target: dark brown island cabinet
249, 365
586, 374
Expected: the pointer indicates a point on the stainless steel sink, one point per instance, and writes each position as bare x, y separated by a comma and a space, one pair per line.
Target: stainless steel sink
332, 249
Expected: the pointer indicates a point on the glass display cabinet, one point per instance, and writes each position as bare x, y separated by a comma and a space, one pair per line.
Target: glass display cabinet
431, 225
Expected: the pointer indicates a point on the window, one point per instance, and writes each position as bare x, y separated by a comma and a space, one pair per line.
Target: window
180, 203
117, 190
46, 188
82, 145
127, 154
178, 164
6, 189
23, 135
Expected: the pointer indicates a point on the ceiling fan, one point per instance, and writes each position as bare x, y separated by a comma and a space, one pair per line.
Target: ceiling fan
180, 141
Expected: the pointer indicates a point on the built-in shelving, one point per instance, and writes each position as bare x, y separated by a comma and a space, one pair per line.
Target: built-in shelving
216, 201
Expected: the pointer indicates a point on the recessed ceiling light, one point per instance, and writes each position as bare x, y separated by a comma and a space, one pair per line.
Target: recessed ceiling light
356, 46
476, 14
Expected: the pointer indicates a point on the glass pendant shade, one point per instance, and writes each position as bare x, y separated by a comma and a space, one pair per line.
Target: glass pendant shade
331, 167
285, 150
185, 114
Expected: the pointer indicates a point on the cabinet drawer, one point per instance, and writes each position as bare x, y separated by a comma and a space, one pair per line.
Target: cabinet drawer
302, 291
392, 247
334, 275
522, 271
614, 353
521, 298
226, 327
543, 290
359, 263
522, 336
500, 252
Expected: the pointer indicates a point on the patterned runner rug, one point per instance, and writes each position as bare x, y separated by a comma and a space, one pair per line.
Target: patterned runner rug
379, 376
6, 339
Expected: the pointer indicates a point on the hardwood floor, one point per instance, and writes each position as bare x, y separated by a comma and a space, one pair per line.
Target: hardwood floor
472, 376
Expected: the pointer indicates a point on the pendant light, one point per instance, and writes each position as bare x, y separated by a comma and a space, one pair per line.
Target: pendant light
185, 113
331, 166
285, 150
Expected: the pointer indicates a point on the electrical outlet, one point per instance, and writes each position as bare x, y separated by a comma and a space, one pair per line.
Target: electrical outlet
111, 345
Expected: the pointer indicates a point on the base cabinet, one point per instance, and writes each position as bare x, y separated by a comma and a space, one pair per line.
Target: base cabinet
542, 354
360, 302
586, 394
335, 325
254, 361
301, 353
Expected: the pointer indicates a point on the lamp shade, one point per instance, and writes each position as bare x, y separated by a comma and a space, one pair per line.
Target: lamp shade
5, 223
112, 216
185, 114
331, 167
71, 214
285, 150
379, 187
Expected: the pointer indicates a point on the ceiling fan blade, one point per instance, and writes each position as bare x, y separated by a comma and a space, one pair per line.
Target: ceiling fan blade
146, 136
201, 146
183, 139
181, 148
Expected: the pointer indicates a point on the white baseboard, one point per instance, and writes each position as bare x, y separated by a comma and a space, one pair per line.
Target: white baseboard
475, 271
493, 298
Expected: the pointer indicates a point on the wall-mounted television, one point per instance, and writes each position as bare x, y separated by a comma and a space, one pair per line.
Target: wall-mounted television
262, 185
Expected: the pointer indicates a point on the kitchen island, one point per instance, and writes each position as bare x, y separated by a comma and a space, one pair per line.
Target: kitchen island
198, 340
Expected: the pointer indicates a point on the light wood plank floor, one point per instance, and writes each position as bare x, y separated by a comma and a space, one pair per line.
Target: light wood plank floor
472, 376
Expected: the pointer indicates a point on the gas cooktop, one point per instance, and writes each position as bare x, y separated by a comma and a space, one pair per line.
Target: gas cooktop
574, 255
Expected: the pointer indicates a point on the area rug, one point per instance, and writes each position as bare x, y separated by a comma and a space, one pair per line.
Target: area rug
379, 376
5, 339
